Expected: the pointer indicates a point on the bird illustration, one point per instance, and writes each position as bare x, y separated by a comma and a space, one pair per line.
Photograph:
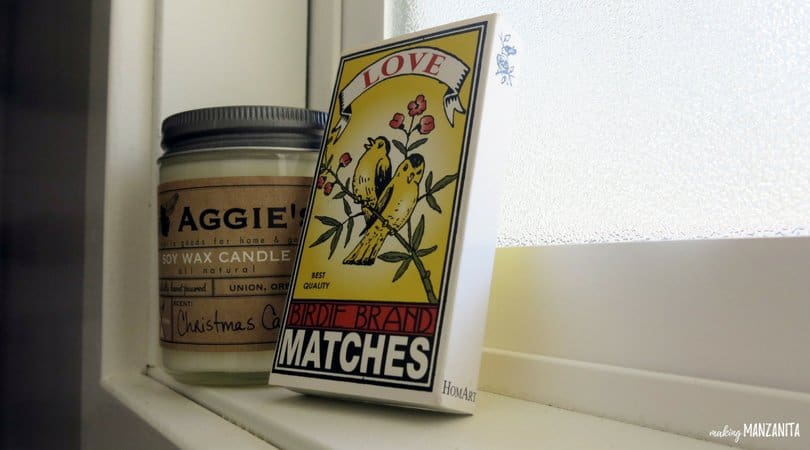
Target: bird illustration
395, 205
371, 176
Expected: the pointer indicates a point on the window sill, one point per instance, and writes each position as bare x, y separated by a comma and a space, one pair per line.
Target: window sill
179, 419
289, 420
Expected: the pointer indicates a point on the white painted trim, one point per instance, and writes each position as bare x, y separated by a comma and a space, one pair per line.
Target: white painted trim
363, 22
179, 419
129, 189
325, 27
291, 420
729, 310
681, 336
684, 405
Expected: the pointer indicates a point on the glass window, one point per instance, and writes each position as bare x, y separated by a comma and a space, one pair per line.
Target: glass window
651, 120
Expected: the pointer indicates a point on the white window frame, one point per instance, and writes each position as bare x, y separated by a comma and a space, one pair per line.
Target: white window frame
678, 336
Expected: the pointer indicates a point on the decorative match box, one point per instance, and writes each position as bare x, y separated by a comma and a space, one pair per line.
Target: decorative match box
389, 292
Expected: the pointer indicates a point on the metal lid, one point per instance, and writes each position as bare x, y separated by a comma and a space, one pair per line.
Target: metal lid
242, 126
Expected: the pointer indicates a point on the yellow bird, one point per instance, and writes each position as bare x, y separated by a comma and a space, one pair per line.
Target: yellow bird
396, 205
372, 174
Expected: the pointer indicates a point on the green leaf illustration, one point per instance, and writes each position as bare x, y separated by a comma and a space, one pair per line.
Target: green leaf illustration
418, 232
340, 194
349, 228
394, 256
433, 203
335, 240
429, 181
322, 238
326, 220
346, 208
401, 147
443, 182
417, 144
401, 271
426, 251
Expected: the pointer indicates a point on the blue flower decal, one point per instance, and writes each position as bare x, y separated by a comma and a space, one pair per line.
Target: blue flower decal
505, 70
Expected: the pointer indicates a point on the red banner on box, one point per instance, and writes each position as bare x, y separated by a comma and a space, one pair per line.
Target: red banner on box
396, 318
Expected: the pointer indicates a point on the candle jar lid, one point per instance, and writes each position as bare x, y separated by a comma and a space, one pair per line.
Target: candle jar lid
242, 126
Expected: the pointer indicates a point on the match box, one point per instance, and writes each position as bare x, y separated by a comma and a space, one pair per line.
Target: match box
389, 293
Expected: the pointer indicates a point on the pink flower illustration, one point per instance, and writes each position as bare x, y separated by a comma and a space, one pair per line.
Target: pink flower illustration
321, 181
417, 106
396, 122
327, 188
345, 159
426, 125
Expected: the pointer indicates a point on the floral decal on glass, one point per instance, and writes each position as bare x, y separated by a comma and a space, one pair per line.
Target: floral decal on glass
506, 70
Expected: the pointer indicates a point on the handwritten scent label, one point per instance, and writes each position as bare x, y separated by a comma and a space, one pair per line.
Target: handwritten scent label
368, 294
226, 249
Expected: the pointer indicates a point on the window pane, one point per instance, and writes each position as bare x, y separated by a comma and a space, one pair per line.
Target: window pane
651, 120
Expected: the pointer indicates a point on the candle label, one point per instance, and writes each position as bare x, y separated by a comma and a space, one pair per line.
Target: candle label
226, 248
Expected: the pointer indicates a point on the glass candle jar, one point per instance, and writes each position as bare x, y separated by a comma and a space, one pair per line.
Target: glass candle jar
234, 186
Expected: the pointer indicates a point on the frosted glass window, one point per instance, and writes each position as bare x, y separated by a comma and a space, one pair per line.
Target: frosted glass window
652, 120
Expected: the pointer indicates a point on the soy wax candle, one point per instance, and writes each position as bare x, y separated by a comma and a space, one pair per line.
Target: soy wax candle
234, 186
